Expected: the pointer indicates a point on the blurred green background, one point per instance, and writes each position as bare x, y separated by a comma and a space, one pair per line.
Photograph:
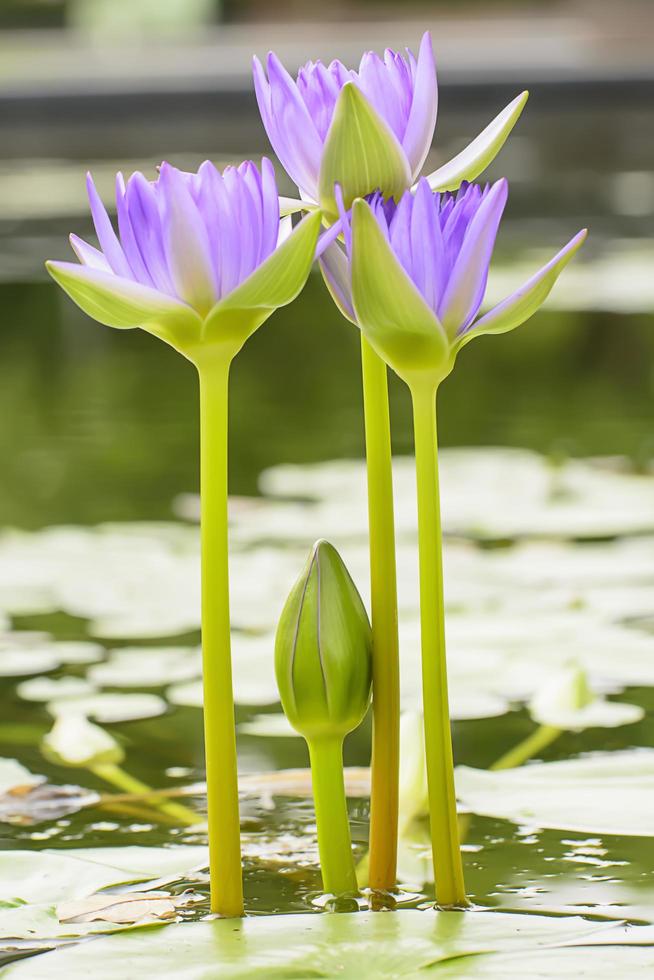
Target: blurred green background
100, 425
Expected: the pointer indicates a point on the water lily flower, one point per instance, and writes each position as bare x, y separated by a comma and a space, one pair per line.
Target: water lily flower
413, 275
199, 259
366, 130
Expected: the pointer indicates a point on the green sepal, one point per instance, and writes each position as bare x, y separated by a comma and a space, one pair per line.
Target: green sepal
125, 305
392, 314
522, 304
477, 155
276, 282
361, 154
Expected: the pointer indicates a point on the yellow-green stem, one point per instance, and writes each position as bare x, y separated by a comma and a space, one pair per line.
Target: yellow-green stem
122, 780
448, 869
529, 747
334, 840
219, 729
385, 644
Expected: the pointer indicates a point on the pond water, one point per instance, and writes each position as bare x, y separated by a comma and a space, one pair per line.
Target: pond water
549, 563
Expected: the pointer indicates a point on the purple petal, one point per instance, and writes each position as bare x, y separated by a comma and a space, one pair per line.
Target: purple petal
467, 283
419, 132
377, 83
106, 235
145, 219
427, 244
293, 134
319, 88
336, 271
230, 243
186, 243
207, 205
269, 209
89, 256
127, 237
247, 217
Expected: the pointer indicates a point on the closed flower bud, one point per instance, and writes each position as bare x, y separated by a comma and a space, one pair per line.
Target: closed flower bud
323, 649
75, 741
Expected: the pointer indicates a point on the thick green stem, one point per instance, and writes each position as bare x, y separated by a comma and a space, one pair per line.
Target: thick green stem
334, 841
385, 643
448, 869
122, 780
219, 729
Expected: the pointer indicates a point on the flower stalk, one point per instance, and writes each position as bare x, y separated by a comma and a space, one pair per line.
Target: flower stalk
220, 739
116, 776
448, 868
332, 821
385, 642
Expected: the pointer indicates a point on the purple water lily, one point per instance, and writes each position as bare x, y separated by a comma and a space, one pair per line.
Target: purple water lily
444, 243
191, 238
298, 114
419, 268
378, 140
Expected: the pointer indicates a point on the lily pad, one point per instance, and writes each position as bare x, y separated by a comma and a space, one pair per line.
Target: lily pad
54, 689
53, 876
108, 708
598, 963
398, 944
605, 793
147, 667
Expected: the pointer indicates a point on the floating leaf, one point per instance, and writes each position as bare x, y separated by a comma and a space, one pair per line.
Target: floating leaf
60, 875
603, 963
107, 708
147, 667
50, 689
606, 793
398, 944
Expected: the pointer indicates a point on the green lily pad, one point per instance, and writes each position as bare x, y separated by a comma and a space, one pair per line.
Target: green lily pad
354, 945
54, 689
21, 663
147, 667
273, 725
598, 963
107, 708
606, 793
52, 876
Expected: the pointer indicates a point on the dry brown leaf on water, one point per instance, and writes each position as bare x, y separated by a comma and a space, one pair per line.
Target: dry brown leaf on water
126, 908
29, 805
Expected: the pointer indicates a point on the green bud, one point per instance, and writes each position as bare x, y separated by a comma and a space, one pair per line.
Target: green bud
77, 742
323, 650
